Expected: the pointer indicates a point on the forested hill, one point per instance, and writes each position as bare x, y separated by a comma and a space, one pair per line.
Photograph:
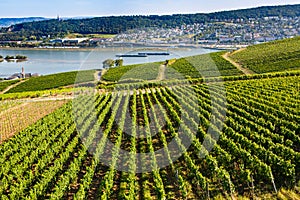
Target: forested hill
265, 11
117, 24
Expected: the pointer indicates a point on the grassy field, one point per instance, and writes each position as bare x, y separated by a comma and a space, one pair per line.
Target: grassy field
256, 151
78, 35
271, 57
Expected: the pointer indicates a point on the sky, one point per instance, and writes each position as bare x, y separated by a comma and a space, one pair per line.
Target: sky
73, 8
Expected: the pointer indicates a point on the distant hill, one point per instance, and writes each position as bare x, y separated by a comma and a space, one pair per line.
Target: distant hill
118, 24
6, 22
274, 56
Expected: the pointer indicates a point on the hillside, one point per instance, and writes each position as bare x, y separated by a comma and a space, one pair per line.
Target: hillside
255, 153
270, 57
206, 65
54, 81
182, 129
118, 24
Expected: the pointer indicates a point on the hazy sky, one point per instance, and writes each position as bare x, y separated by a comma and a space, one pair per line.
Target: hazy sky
68, 8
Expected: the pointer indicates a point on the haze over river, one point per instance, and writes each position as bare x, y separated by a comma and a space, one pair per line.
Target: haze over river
49, 61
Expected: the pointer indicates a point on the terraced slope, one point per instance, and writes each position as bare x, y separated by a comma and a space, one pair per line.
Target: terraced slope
256, 153
274, 56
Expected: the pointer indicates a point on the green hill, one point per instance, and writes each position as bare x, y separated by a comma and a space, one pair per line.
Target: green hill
5, 84
205, 65
118, 24
270, 57
54, 81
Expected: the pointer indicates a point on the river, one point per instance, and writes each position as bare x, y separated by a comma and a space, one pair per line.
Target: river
51, 61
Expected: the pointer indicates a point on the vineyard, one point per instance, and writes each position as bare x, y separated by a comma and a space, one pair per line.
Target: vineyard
5, 84
255, 147
271, 57
115, 74
62, 92
17, 115
53, 81
207, 65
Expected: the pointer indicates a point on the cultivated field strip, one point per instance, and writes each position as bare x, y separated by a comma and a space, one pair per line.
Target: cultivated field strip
16, 115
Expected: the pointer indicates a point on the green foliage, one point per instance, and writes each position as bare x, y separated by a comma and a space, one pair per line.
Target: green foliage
147, 71
54, 81
271, 57
132, 73
115, 74
78, 35
256, 144
119, 62
118, 24
5, 84
207, 65
35, 94
21, 57
8, 57
108, 63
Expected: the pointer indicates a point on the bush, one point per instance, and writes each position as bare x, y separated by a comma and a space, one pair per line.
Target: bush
21, 57
8, 57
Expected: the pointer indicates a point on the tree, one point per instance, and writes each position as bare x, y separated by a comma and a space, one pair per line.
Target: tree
108, 63
119, 62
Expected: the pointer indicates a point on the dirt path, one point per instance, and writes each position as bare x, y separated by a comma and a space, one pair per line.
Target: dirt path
161, 73
237, 65
41, 99
97, 75
12, 86
237, 51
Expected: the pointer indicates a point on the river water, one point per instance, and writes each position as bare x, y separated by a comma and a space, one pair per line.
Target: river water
54, 61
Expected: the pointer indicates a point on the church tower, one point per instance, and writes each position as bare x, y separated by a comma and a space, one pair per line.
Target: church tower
23, 72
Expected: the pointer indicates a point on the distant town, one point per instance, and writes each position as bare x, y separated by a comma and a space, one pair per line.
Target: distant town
228, 33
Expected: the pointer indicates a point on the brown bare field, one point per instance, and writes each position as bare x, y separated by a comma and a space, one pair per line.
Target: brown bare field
18, 117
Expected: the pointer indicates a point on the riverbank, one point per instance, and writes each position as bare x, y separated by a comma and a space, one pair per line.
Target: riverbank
128, 46
45, 49
223, 47
110, 48
50, 61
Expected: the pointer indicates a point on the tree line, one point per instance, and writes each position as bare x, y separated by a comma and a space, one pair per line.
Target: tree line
119, 24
